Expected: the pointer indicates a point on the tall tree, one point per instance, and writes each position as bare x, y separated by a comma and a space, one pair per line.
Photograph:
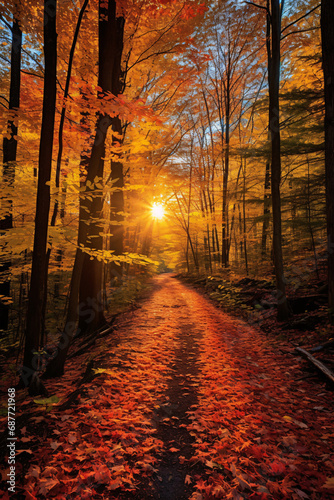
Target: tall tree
10, 150
274, 17
86, 277
327, 35
111, 32
39, 268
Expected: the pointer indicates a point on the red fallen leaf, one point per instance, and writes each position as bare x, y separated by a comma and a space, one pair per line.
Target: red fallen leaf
25, 439
257, 451
113, 485
201, 485
182, 459
258, 496
72, 438
45, 485
54, 445
242, 483
277, 467
34, 471
49, 472
28, 495
187, 479
196, 496
174, 450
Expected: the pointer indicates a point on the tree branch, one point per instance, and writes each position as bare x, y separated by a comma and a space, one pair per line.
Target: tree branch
301, 17
5, 23
300, 31
259, 6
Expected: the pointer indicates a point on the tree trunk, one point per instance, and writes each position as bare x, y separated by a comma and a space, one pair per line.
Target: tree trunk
225, 235
38, 271
86, 280
266, 211
116, 241
60, 145
111, 30
9, 157
283, 310
244, 216
116, 209
327, 35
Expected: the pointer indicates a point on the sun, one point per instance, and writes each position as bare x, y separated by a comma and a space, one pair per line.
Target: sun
158, 211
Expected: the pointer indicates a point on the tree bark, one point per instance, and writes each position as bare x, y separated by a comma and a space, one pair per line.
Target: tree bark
266, 211
327, 35
9, 157
110, 55
116, 208
283, 310
38, 271
225, 232
116, 241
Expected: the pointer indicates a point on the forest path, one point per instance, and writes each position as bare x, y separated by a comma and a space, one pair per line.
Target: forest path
232, 407
187, 403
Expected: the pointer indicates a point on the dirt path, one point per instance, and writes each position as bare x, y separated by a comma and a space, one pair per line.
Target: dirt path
191, 404
233, 405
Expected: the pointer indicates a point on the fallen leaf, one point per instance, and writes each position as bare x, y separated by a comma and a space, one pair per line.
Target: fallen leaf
54, 445
72, 438
329, 483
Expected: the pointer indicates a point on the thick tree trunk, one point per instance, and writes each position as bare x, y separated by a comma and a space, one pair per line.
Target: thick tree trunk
38, 271
266, 211
9, 157
225, 233
116, 241
116, 209
110, 55
60, 145
327, 34
86, 280
283, 311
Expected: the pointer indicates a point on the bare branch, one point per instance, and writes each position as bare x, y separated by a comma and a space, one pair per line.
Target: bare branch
300, 31
301, 17
257, 5
5, 23
31, 73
